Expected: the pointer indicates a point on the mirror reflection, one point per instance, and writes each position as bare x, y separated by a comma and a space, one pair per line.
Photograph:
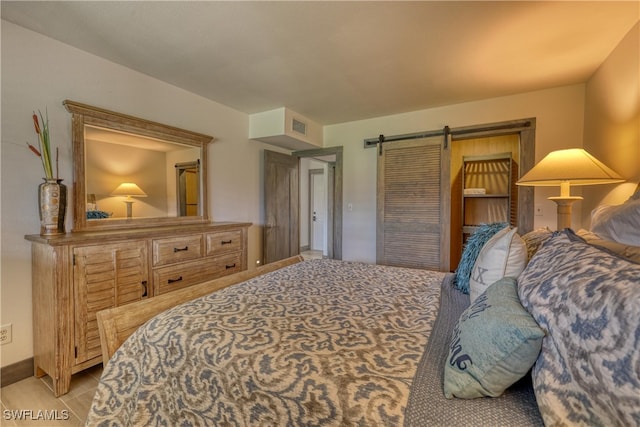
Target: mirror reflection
133, 176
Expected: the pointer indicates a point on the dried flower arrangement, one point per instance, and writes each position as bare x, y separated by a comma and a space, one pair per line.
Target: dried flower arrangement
44, 143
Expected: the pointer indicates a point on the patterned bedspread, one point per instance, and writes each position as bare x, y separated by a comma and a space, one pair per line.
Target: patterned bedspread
321, 342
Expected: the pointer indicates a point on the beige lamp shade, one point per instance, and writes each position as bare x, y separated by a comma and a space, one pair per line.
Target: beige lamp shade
128, 189
564, 168
574, 165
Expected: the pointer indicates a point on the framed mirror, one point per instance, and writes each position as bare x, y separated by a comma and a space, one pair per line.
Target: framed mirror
131, 173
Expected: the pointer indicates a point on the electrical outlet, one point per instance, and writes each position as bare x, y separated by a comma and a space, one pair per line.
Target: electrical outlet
5, 334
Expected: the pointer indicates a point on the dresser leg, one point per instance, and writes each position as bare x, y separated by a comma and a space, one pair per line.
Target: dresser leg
62, 385
37, 372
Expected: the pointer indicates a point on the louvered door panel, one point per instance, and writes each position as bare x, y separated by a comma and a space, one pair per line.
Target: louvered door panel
131, 274
410, 228
104, 277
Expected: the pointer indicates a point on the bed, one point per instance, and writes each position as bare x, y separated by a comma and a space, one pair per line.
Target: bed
308, 344
318, 342
552, 336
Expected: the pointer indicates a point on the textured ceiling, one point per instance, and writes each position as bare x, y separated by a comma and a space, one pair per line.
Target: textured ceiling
335, 61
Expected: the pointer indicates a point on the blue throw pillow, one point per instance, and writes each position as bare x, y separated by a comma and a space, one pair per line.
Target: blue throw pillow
97, 214
494, 344
472, 248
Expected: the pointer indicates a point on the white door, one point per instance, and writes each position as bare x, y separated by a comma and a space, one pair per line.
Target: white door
318, 210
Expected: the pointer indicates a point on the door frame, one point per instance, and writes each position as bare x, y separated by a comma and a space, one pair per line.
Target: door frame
334, 199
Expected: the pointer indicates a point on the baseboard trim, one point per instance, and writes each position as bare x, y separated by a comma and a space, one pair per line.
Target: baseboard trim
17, 372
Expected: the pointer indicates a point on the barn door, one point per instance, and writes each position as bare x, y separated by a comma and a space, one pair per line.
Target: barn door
413, 204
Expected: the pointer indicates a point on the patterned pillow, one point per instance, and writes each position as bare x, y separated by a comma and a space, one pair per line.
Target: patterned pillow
472, 248
620, 223
494, 344
534, 239
587, 301
627, 251
505, 254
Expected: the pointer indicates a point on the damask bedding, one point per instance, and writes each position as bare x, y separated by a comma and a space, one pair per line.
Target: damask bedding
321, 342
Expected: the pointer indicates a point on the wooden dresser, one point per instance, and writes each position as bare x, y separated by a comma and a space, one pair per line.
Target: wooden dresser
78, 274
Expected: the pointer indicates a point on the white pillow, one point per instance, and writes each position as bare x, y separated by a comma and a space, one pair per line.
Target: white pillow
620, 223
504, 255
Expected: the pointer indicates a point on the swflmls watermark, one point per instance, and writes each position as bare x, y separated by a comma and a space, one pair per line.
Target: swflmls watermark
36, 414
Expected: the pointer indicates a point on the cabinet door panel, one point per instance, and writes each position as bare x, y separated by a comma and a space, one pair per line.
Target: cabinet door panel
99, 271
105, 276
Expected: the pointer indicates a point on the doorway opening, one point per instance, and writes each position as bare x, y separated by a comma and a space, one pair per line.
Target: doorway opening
187, 188
283, 202
479, 155
314, 205
321, 202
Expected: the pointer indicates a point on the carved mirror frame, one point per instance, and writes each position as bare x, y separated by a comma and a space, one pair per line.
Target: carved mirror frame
82, 115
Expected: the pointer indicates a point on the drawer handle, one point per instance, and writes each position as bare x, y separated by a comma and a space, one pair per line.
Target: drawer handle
226, 242
186, 248
230, 266
174, 280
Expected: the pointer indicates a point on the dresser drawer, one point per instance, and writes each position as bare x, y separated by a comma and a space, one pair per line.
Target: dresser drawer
223, 241
176, 249
167, 279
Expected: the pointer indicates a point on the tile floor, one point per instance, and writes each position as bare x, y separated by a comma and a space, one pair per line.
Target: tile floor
33, 401
311, 254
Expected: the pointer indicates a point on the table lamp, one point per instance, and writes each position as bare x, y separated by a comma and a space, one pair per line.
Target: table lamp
573, 166
128, 189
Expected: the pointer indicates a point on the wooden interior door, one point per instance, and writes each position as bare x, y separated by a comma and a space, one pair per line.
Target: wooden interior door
191, 184
282, 211
413, 204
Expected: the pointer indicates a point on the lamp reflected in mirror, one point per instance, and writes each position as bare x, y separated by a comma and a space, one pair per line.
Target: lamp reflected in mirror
129, 190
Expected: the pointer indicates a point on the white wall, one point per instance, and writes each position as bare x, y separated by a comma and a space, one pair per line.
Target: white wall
612, 122
146, 168
559, 115
39, 73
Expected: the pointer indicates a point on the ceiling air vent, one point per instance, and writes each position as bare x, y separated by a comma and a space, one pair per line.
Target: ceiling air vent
299, 127
285, 128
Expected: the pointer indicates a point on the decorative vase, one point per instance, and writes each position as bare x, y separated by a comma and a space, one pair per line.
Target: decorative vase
52, 201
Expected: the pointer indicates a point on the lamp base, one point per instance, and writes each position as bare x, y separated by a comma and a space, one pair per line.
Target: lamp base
129, 204
564, 210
